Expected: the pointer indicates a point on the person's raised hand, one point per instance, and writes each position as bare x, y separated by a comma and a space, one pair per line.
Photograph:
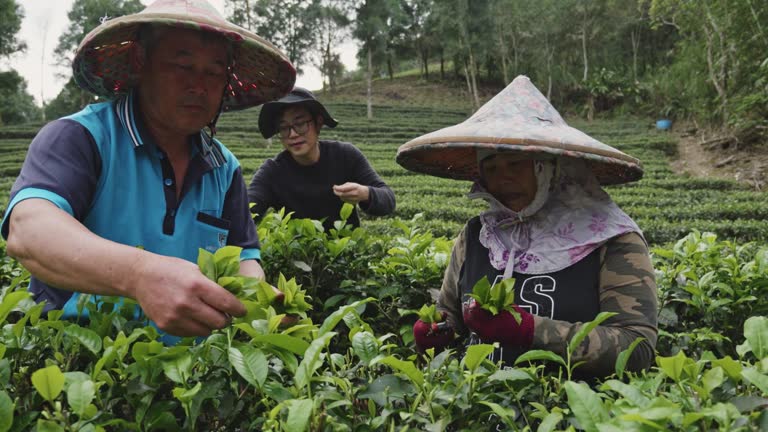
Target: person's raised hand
179, 298
352, 193
502, 328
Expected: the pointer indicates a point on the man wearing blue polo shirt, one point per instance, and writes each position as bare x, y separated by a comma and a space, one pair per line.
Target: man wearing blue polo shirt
118, 198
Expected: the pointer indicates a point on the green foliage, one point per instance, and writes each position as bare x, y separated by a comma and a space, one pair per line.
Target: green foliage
708, 288
11, 15
258, 375
18, 105
429, 314
496, 298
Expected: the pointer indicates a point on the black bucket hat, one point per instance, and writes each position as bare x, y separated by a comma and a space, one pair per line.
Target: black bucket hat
271, 111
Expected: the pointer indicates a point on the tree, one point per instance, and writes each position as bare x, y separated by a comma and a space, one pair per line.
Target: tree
333, 19
418, 31
371, 30
85, 16
11, 15
289, 24
18, 105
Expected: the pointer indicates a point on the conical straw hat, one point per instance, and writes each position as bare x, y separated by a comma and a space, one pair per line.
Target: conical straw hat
261, 73
518, 119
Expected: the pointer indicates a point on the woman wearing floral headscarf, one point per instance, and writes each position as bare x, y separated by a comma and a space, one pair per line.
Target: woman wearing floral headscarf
572, 252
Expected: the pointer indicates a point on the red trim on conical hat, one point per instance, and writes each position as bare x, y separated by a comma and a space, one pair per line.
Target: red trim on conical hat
261, 72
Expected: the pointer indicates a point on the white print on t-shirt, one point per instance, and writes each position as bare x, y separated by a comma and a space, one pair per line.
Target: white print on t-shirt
533, 299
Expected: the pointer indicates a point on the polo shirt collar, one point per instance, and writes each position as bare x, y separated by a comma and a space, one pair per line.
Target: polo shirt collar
127, 111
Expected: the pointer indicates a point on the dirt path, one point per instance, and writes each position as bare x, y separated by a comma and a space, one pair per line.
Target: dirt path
748, 166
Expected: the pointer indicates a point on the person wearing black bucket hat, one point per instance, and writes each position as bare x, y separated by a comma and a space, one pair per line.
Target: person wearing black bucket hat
313, 178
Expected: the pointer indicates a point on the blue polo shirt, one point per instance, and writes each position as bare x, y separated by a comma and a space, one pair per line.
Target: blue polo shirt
101, 166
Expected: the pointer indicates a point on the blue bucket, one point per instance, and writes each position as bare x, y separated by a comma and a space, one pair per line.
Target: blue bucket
663, 124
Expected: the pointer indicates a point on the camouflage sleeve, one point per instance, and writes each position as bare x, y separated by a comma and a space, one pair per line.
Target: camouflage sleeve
449, 299
627, 287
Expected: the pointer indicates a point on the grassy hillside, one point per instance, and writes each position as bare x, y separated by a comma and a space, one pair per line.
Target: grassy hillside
664, 204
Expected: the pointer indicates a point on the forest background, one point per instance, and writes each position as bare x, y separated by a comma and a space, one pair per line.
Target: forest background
702, 61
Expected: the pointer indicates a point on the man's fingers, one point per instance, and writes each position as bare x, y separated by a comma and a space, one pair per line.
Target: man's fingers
222, 301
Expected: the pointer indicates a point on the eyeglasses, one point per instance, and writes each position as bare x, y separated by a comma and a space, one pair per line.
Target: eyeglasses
300, 128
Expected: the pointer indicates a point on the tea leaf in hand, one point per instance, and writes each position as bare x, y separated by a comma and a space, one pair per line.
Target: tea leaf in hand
227, 261
497, 298
206, 264
429, 314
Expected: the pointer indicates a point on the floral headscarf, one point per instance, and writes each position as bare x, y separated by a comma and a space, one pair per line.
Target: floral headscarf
569, 218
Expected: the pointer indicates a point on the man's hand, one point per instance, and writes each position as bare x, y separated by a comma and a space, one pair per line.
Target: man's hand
179, 298
352, 193
502, 328
432, 335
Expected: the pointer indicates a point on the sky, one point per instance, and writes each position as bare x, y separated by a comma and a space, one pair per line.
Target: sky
45, 20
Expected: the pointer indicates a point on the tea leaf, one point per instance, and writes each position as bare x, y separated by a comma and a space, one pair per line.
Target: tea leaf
757, 379
623, 357
756, 333
80, 394
333, 319
10, 301
302, 266
6, 411
406, 367
227, 261
48, 382
284, 341
550, 422
586, 328
586, 405
177, 368
206, 264
429, 314
250, 363
185, 395
476, 354
507, 414
672, 366
540, 355
630, 393
312, 360
346, 211
87, 338
299, 413
366, 346
731, 367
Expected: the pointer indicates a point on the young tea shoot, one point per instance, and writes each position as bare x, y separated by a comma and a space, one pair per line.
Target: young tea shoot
429, 314
223, 267
497, 298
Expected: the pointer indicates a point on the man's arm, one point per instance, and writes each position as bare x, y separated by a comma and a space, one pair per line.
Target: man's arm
59, 250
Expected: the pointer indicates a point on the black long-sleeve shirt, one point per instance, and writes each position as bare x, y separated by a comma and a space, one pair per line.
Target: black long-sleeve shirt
307, 190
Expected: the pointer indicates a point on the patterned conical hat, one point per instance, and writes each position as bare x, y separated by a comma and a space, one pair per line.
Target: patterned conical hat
519, 119
261, 73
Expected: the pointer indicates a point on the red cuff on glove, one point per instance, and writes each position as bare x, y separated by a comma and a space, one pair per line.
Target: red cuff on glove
429, 335
501, 328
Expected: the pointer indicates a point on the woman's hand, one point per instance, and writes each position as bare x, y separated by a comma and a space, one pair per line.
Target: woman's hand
502, 328
432, 335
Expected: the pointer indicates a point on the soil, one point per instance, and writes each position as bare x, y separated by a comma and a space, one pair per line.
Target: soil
701, 154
